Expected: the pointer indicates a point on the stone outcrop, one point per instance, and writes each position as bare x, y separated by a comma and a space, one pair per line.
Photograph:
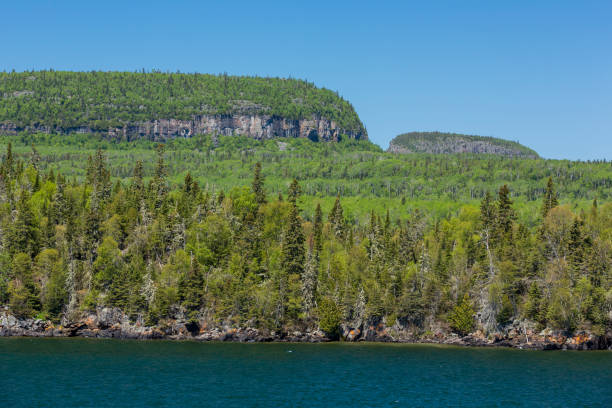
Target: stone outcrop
112, 323
450, 143
257, 126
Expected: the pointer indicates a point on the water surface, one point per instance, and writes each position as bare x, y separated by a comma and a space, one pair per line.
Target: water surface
111, 373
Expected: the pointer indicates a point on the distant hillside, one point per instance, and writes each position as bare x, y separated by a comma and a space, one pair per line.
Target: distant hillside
448, 143
166, 105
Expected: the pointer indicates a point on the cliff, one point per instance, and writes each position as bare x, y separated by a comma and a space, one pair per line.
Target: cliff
158, 106
449, 143
254, 126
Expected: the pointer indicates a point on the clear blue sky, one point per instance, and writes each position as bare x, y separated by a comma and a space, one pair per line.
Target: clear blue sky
539, 72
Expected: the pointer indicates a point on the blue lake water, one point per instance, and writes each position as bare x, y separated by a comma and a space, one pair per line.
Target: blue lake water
112, 373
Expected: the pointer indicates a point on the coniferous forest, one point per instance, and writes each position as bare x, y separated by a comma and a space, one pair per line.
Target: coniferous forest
269, 258
285, 234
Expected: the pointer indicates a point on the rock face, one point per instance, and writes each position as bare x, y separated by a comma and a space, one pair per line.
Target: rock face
449, 143
112, 323
255, 126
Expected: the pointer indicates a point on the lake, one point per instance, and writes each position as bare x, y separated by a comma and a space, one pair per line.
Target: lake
111, 373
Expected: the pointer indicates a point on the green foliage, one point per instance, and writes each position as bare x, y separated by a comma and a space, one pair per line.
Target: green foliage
461, 318
104, 100
151, 230
330, 317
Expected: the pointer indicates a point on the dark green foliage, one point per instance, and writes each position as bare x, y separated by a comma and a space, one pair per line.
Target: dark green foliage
258, 185
103, 100
549, 200
191, 290
293, 244
330, 317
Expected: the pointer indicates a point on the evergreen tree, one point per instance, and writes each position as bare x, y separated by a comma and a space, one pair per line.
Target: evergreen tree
504, 211
318, 231
258, 185
550, 200
294, 192
191, 291
293, 244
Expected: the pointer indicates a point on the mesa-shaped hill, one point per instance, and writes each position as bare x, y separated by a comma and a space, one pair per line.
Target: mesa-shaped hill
158, 106
449, 143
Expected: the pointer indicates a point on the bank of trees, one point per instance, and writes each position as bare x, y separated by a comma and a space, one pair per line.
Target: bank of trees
252, 257
102, 100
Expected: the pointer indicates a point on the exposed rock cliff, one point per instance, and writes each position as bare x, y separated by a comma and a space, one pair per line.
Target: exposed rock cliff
255, 126
160, 106
448, 143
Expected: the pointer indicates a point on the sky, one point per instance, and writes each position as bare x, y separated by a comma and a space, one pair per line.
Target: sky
537, 72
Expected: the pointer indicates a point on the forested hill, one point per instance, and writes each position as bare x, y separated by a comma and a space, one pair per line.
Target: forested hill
446, 143
160, 105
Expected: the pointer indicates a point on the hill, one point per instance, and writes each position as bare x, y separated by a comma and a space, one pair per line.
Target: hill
365, 177
445, 143
159, 106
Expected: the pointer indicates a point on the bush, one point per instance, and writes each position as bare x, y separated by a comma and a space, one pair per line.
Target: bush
461, 318
330, 316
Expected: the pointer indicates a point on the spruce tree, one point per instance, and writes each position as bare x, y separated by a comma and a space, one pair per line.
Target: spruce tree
258, 185
293, 244
504, 211
294, 192
550, 200
318, 231
191, 291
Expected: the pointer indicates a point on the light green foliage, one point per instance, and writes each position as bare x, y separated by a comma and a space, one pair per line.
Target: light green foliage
462, 317
180, 232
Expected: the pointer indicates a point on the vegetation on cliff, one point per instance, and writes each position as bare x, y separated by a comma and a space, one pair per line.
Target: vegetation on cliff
448, 143
100, 101
250, 256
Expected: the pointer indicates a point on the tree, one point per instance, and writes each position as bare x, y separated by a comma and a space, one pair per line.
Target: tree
550, 200
293, 244
336, 219
330, 317
294, 192
191, 291
24, 232
258, 185
318, 230
505, 213
461, 318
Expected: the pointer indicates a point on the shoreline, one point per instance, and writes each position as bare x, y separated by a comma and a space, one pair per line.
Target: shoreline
107, 324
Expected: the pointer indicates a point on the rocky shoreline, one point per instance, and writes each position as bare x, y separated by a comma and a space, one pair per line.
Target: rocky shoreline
111, 323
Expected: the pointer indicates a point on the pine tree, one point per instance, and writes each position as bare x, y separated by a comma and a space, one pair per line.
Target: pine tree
336, 219
294, 192
258, 185
191, 291
505, 213
309, 281
293, 244
318, 230
23, 233
550, 200
159, 184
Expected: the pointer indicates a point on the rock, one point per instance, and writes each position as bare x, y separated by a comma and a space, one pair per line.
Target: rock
256, 126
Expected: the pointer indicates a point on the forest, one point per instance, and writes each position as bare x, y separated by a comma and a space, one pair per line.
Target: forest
260, 248
365, 177
63, 100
